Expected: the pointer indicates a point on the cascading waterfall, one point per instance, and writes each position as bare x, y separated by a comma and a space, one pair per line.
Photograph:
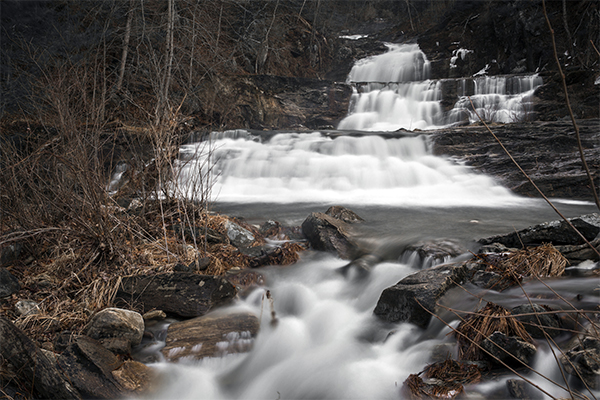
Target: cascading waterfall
314, 167
393, 91
497, 99
326, 342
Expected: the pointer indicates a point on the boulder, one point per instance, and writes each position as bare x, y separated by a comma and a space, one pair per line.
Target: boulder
583, 361
414, 297
136, 377
326, 233
32, 366
536, 321
490, 280
510, 350
9, 284
88, 366
555, 232
579, 253
213, 335
116, 329
180, 293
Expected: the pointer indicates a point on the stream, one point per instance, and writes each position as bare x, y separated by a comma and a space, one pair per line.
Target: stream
326, 343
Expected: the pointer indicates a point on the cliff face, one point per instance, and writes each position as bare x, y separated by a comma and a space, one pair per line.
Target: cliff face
234, 63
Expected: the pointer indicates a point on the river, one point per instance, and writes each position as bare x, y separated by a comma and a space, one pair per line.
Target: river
326, 342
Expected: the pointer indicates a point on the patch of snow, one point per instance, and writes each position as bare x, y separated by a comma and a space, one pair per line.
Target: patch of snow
597, 81
483, 71
458, 53
353, 37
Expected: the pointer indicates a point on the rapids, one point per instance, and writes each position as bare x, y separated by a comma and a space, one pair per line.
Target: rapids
326, 342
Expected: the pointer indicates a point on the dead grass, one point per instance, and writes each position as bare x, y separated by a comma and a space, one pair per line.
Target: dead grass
447, 377
477, 327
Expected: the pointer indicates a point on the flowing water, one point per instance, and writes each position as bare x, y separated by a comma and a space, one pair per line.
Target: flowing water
326, 343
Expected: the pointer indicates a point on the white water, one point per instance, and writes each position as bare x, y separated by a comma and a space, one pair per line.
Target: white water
327, 344
312, 167
393, 91
498, 99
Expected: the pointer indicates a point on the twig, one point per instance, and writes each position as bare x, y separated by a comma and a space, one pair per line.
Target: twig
531, 181
568, 103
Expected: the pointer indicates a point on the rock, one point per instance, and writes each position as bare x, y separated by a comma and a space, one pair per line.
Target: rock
136, 377
213, 335
116, 329
362, 266
555, 232
179, 293
238, 236
154, 315
433, 252
535, 325
490, 280
519, 389
578, 254
10, 253
414, 297
528, 143
343, 214
509, 350
27, 307
583, 361
326, 233
88, 366
8, 283
32, 366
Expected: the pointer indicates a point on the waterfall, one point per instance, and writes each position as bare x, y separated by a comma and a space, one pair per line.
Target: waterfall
394, 91
496, 99
293, 167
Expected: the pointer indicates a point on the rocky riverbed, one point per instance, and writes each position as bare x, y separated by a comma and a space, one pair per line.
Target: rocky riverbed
103, 360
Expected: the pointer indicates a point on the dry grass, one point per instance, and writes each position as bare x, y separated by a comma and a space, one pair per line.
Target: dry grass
448, 376
491, 318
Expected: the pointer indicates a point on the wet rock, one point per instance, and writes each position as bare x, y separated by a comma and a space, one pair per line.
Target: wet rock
361, 267
583, 361
529, 143
136, 377
88, 366
154, 315
578, 254
179, 293
326, 233
213, 335
555, 232
239, 236
414, 297
519, 389
432, 252
490, 280
31, 365
536, 321
343, 214
509, 350
116, 329
9, 284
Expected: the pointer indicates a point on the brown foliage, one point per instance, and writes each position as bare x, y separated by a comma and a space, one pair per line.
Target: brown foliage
477, 327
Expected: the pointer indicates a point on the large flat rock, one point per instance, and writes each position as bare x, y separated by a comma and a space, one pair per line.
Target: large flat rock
180, 293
